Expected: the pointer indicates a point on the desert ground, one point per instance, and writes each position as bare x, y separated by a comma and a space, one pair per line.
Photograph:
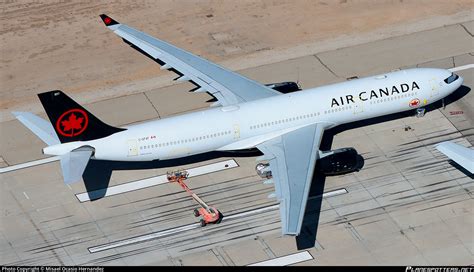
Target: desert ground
47, 45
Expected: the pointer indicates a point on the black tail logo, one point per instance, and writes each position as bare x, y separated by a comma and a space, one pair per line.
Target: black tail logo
72, 123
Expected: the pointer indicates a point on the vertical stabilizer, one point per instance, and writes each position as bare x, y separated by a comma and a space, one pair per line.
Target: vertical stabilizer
71, 121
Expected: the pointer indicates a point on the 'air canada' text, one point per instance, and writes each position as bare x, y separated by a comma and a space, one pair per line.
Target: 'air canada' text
368, 95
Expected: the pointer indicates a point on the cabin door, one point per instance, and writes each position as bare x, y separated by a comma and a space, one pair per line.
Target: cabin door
358, 106
236, 132
132, 148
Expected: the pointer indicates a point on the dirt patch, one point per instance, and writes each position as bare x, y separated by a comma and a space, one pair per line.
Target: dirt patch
64, 45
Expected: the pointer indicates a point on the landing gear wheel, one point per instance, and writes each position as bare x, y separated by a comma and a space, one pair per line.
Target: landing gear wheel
202, 222
196, 212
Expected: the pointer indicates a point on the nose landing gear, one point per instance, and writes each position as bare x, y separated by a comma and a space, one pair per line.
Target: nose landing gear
420, 112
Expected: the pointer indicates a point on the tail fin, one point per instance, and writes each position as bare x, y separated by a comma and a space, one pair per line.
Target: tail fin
72, 122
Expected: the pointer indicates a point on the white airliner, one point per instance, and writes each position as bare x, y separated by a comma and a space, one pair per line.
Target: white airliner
286, 125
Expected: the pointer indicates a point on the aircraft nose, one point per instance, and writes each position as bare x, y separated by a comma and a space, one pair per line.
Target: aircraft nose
452, 81
457, 83
460, 81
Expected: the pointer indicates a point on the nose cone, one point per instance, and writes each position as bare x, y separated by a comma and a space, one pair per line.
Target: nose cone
453, 86
458, 83
451, 81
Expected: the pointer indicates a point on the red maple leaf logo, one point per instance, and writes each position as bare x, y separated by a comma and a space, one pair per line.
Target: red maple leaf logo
414, 102
72, 123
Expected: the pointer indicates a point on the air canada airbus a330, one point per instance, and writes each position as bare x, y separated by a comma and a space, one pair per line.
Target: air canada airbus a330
286, 125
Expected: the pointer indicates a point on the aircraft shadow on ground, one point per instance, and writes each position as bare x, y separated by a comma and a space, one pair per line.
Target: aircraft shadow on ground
98, 173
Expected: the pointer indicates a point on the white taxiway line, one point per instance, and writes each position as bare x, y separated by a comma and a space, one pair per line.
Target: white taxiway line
333, 193
167, 232
157, 180
27, 164
286, 260
460, 68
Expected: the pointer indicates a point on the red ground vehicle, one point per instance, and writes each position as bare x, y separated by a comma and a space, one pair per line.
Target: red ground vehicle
211, 216
208, 214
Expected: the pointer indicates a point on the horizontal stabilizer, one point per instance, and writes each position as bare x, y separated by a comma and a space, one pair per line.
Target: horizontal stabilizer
40, 127
74, 163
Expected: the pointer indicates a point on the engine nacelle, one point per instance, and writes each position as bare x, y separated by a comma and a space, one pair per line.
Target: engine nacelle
338, 161
334, 162
284, 87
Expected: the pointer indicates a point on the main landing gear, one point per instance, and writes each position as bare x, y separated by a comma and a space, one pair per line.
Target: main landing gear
263, 170
207, 213
420, 112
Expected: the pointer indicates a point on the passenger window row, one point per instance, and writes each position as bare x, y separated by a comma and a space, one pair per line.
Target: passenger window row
338, 109
386, 99
200, 138
286, 120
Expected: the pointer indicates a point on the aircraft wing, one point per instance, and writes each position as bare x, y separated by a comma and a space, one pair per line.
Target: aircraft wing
461, 155
226, 86
292, 157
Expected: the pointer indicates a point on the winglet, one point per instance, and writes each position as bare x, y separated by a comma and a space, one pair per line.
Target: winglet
108, 21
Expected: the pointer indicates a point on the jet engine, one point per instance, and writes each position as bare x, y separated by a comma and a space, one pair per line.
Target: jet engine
338, 161
330, 163
284, 87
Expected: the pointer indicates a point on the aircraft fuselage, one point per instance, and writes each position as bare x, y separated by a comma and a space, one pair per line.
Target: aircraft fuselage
248, 124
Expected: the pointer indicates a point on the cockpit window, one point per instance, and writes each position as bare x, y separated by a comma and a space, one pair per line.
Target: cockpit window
451, 78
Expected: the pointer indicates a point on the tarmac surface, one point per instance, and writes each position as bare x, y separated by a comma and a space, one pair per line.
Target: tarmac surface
408, 205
